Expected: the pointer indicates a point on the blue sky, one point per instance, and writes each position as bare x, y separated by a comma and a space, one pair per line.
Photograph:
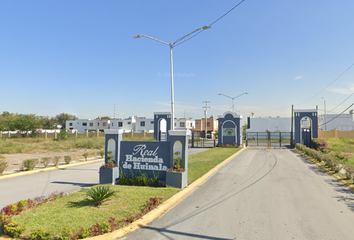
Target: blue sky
80, 57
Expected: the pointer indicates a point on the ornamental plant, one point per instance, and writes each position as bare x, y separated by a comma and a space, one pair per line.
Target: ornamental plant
45, 161
108, 165
99, 194
55, 160
29, 164
349, 171
67, 159
177, 163
320, 145
85, 155
3, 165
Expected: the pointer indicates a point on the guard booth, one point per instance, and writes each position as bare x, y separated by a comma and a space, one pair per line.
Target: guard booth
162, 125
230, 129
306, 126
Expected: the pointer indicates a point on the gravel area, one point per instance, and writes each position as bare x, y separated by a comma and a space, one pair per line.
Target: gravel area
15, 160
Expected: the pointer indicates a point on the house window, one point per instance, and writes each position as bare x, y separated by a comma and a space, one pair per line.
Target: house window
181, 124
142, 124
84, 124
152, 122
208, 124
70, 124
98, 124
112, 124
91, 124
104, 124
129, 123
120, 124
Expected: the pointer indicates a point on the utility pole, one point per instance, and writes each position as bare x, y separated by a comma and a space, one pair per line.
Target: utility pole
205, 113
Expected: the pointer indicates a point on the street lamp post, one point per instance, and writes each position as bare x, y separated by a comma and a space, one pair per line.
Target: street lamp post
232, 98
171, 56
325, 113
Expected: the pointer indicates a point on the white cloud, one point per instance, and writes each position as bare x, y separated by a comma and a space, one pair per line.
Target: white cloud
298, 78
345, 91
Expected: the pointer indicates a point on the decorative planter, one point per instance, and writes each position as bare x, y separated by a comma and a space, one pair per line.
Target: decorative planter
109, 175
177, 179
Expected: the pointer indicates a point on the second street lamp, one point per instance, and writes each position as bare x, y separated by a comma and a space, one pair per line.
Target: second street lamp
171, 56
232, 98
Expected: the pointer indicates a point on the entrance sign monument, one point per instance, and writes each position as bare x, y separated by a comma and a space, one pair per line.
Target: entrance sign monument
306, 126
230, 129
151, 158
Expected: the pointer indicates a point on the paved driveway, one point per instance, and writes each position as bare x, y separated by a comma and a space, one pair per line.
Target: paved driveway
261, 194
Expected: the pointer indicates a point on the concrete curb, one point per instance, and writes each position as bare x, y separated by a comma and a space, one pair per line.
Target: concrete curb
17, 174
167, 205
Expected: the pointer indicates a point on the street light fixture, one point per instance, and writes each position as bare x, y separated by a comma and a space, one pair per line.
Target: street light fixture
232, 98
171, 55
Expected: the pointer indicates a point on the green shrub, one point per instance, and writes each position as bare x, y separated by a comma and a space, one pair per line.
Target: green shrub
45, 161
85, 155
99, 194
67, 159
66, 233
40, 234
320, 145
55, 160
343, 157
29, 164
12, 229
349, 171
3, 165
101, 153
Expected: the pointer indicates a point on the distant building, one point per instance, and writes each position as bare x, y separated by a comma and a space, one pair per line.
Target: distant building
81, 125
278, 124
144, 124
212, 127
125, 124
185, 124
343, 122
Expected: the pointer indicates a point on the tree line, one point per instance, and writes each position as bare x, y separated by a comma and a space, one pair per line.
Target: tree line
27, 122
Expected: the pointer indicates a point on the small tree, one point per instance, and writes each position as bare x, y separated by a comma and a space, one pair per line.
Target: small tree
3, 165
85, 155
55, 160
45, 161
67, 159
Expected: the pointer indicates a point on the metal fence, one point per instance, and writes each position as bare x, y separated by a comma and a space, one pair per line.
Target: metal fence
268, 139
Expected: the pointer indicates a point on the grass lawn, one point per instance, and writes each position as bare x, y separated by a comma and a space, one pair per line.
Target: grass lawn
76, 211
344, 145
341, 144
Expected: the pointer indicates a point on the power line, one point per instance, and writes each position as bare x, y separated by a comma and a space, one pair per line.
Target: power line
342, 102
238, 4
337, 115
329, 84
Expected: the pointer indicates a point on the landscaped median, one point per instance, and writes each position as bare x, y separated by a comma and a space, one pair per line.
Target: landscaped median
76, 216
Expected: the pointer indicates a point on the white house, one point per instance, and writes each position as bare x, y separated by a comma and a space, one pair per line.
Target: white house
185, 124
144, 124
125, 124
81, 125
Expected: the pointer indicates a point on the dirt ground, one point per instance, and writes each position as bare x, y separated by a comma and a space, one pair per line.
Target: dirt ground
15, 160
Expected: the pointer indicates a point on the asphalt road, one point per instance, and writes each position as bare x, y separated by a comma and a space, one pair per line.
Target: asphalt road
261, 194
67, 180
